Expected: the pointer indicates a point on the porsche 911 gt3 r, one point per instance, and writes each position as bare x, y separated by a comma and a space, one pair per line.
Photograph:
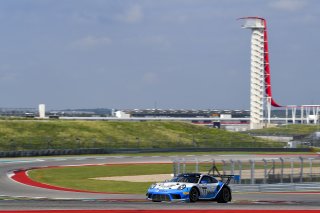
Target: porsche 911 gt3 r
191, 187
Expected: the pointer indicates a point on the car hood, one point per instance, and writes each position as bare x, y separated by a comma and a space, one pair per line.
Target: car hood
171, 185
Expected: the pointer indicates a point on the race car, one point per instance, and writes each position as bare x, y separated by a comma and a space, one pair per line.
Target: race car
191, 187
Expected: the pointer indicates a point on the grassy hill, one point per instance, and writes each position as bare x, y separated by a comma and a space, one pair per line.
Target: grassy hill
288, 130
56, 134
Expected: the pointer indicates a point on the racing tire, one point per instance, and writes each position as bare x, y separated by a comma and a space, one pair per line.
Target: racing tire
224, 196
193, 195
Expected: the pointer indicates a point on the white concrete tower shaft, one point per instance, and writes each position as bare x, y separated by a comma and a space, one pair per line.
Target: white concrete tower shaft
260, 89
257, 88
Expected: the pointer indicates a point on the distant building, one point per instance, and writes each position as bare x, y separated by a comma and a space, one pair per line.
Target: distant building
187, 113
42, 110
122, 114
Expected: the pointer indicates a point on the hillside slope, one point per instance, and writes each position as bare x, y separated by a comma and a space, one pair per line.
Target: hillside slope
44, 134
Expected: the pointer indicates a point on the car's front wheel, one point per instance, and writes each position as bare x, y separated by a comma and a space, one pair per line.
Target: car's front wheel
193, 195
224, 196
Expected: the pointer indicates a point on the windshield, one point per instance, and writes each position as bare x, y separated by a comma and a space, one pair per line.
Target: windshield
186, 179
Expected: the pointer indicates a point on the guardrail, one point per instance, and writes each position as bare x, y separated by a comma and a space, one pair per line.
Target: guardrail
51, 152
274, 170
305, 187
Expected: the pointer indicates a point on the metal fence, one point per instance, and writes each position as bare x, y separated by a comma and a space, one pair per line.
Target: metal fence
262, 171
284, 187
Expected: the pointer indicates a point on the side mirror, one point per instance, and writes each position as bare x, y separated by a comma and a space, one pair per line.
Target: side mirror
204, 182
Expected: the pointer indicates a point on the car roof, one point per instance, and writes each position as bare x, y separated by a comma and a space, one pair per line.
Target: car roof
198, 175
190, 175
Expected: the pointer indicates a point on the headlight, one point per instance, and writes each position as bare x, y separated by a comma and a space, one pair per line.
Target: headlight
152, 186
183, 186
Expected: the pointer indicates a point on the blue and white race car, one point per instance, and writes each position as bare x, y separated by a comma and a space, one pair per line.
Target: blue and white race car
191, 187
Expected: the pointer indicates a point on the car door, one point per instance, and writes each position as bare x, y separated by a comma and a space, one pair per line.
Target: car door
207, 186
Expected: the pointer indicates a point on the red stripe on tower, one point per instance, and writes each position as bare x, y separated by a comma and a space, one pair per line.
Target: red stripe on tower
267, 67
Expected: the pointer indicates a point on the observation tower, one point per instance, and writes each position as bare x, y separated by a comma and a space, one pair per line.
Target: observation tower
260, 83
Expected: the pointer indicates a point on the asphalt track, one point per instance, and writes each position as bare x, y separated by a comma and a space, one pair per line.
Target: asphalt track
17, 196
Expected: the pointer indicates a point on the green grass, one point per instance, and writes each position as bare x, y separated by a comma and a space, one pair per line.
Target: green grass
58, 134
78, 177
289, 130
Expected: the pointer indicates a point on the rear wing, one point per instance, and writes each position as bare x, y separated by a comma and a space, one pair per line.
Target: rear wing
223, 177
216, 173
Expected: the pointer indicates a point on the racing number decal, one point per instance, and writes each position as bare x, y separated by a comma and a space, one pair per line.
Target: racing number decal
207, 187
207, 191
204, 191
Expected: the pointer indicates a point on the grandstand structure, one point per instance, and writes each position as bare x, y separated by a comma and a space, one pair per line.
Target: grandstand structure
261, 99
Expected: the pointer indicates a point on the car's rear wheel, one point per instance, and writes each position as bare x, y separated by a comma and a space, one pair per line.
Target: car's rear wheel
225, 195
193, 195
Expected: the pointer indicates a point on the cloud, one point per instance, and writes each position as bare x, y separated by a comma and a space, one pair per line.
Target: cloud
92, 41
8, 73
84, 17
158, 40
8, 76
288, 5
133, 15
150, 78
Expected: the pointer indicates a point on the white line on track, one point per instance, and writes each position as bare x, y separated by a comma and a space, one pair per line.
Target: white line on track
60, 159
80, 158
102, 158
21, 161
39, 197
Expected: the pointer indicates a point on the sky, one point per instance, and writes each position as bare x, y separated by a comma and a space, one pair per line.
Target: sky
139, 54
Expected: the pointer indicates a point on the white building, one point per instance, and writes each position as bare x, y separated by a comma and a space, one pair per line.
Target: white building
42, 110
121, 114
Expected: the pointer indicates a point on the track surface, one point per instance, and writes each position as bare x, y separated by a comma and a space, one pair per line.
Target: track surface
28, 197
